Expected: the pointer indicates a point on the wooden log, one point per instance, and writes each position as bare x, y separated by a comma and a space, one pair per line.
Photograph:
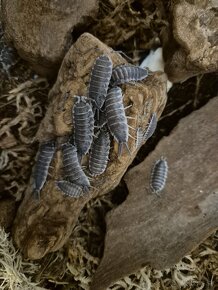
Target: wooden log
42, 227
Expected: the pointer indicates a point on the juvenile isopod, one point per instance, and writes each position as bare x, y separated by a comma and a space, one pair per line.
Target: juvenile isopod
100, 148
99, 81
125, 73
143, 135
139, 137
45, 155
151, 127
83, 121
159, 175
72, 168
70, 189
116, 118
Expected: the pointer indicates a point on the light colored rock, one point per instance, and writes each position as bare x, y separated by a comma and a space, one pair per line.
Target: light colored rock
44, 227
41, 30
147, 229
191, 42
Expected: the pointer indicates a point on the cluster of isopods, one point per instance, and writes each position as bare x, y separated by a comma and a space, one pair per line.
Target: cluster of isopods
95, 117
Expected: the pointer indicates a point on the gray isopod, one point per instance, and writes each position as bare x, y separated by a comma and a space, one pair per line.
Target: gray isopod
139, 137
151, 127
83, 121
45, 155
70, 189
99, 81
159, 175
126, 73
100, 148
72, 168
116, 118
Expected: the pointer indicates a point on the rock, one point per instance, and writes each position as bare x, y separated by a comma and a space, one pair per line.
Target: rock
41, 30
190, 44
147, 229
42, 227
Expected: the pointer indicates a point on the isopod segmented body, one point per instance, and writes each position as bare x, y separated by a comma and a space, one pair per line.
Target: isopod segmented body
100, 79
139, 137
70, 189
83, 121
159, 175
116, 118
127, 73
72, 168
100, 148
151, 127
45, 155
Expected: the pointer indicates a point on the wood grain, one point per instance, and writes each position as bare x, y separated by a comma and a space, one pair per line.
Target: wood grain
44, 227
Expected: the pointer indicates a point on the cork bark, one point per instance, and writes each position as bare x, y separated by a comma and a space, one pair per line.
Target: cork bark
42, 227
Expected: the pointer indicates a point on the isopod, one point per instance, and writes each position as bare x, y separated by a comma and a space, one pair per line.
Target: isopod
100, 148
70, 189
83, 121
151, 127
125, 73
100, 79
72, 168
159, 175
45, 154
116, 118
139, 137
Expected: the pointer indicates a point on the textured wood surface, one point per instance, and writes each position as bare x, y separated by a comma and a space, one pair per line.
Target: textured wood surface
147, 229
42, 227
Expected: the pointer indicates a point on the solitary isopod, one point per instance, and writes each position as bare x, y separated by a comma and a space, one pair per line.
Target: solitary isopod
159, 175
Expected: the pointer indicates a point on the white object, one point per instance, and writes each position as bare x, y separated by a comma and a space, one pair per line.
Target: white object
154, 61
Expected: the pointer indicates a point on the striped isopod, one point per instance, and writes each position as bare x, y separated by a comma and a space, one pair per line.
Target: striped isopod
125, 73
159, 175
72, 168
99, 81
45, 154
151, 127
116, 118
139, 137
70, 189
100, 148
83, 121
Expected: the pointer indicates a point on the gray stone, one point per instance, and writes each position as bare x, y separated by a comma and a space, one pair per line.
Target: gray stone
41, 30
159, 231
